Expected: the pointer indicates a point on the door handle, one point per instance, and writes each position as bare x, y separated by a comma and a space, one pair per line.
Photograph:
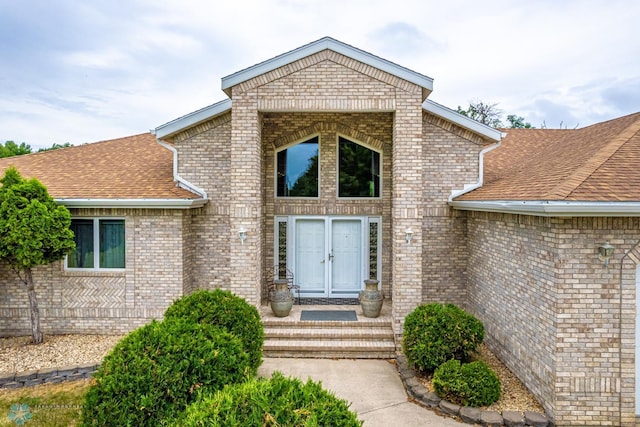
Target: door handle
330, 258
322, 262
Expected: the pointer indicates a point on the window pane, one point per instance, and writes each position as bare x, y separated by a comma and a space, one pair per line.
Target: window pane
298, 170
359, 170
112, 243
82, 256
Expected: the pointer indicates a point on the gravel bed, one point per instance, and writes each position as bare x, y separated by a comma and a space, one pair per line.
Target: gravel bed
17, 354
515, 396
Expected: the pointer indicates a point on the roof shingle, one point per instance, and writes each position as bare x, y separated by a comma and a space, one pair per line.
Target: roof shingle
135, 167
598, 163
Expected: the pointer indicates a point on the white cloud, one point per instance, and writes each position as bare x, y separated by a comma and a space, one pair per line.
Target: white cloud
108, 69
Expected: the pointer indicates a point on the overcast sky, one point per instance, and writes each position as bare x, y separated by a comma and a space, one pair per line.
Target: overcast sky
84, 71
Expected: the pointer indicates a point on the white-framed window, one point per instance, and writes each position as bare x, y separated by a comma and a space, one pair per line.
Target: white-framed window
359, 170
298, 170
100, 244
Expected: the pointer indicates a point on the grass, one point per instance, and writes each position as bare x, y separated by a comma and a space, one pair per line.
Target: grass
49, 404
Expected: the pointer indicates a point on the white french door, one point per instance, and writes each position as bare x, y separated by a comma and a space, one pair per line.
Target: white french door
330, 256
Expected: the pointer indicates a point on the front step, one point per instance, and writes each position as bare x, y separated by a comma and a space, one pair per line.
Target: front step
362, 339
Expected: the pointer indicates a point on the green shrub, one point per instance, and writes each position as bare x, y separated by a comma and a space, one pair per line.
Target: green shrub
469, 384
435, 333
156, 370
278, 401
226, 310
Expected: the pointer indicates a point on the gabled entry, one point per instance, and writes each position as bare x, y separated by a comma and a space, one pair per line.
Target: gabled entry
329, 256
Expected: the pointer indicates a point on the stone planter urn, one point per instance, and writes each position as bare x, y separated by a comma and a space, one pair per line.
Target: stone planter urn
281, 300
371, 299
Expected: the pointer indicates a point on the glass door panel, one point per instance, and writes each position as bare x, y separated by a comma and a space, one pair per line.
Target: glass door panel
346, 256
310, 256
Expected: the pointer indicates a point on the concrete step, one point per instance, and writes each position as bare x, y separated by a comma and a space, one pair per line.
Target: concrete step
335, 333
330, 348
366, 338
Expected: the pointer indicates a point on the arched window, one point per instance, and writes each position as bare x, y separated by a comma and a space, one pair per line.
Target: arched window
358, 170
297, 170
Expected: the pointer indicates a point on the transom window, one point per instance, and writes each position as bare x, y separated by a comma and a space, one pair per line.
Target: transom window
297, 170
100, 244
358, 170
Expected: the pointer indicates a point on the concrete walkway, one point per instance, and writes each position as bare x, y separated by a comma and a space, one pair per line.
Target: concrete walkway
372, 386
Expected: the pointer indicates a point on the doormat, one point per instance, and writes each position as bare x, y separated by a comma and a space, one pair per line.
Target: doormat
329, 315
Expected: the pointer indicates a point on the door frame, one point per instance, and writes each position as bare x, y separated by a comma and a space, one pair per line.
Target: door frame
285, 239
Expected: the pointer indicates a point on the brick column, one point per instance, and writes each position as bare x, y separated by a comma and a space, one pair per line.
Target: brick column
407, 206
246, 198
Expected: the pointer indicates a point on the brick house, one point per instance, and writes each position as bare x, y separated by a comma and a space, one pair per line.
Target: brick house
335, 166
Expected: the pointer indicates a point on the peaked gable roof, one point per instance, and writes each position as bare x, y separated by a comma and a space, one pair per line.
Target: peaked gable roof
168, 130
126, 172
426, 83
595, 164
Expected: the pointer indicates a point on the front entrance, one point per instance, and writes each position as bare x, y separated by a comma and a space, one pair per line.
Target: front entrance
331, 256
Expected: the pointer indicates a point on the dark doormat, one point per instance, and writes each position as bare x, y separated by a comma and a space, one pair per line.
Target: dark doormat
329, 315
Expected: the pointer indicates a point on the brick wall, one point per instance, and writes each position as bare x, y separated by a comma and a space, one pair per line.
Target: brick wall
511, 290
555, 315
450, 160
204, 159
103, 302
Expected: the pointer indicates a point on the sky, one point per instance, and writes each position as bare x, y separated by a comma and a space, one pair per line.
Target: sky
85, 71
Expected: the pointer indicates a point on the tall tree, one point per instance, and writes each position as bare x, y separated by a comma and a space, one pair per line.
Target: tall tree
10, 148
483, 112
34, 230
490, 115
518, 122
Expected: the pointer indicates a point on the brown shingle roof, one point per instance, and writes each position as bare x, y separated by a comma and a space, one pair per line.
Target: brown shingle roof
598, 163
135, 167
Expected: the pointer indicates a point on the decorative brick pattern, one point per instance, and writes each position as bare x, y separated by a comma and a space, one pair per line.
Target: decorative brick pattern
99, 302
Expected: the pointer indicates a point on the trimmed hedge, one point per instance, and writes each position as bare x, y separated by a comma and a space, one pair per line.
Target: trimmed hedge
435, 333
226, 310
469, 384
154, 372
278, 401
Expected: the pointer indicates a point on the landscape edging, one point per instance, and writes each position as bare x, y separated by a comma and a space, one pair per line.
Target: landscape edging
428, 399
47, 376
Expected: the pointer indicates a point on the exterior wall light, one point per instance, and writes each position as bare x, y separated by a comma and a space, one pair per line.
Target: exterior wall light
243, 235
605, 252
408, 235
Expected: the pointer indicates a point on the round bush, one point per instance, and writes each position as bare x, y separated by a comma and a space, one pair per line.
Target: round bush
469, 384
156, 370
226, 310
278, 401
435, 333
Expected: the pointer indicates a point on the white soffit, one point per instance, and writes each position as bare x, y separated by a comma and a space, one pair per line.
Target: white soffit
550, 208
462, 121
192, 119
133, 203
318, 46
